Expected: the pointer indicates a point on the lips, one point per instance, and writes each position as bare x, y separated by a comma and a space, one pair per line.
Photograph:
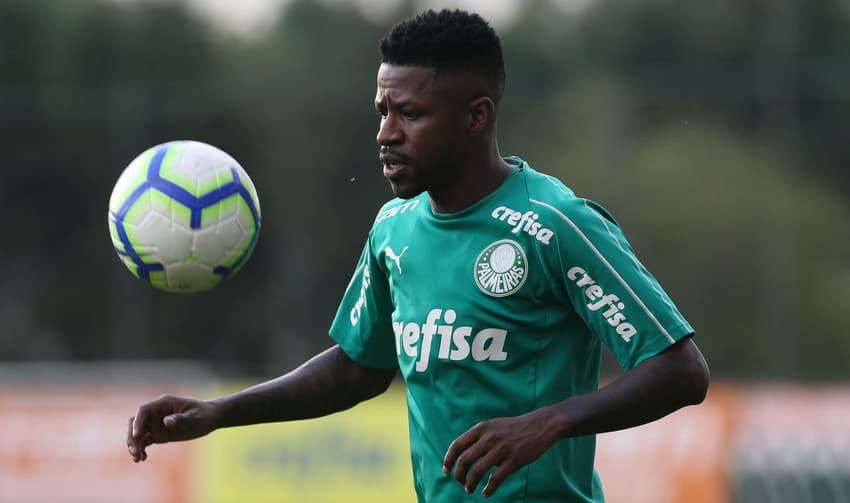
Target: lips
394, 165
394, 171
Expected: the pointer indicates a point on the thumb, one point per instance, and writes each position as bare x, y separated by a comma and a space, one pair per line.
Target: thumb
172, 420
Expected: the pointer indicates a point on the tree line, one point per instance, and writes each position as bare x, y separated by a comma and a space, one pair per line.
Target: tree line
714, 135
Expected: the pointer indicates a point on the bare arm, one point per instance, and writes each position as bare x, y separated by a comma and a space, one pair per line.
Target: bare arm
667, 382
658, 386
327, 383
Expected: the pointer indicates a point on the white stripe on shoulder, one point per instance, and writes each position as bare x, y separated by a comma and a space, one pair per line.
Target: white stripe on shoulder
638, 266
602, 258
556, 183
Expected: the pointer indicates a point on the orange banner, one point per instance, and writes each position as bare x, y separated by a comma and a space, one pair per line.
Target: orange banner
68, 444
63, 444
679, 458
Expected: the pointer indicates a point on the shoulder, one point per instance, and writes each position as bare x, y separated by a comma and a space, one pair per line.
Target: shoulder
559, 206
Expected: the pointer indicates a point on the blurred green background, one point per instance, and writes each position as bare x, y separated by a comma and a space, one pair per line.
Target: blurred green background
715, 132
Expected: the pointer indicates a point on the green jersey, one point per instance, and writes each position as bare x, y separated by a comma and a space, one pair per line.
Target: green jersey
498, 310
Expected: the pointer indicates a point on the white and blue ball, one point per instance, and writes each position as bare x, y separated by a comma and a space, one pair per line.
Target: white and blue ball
183, 216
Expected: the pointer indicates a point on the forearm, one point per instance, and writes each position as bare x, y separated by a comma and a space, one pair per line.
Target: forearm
658, 386
329, 382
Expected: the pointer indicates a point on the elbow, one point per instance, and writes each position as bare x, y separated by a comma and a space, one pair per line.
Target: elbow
689, 370
382, 385
379, 381
696, 379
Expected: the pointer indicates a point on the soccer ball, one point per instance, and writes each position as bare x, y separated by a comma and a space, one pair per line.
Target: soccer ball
183, 216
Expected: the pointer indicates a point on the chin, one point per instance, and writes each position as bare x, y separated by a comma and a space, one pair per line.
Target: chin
405, 191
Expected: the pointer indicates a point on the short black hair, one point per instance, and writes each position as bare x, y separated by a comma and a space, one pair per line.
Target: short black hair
451, 41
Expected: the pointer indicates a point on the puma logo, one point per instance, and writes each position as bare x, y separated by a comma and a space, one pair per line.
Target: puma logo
395, 258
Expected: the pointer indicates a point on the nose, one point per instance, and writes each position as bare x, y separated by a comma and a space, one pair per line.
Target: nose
388, 131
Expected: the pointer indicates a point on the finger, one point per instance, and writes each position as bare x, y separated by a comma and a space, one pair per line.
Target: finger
138, 431
139, 421
144, 442
136, 435
492, 458
131, 445
497, 477
467, 459
460, 444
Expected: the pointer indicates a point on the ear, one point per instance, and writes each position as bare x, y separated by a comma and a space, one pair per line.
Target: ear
480, 114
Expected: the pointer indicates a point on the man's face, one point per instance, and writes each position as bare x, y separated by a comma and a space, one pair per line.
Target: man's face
421, 128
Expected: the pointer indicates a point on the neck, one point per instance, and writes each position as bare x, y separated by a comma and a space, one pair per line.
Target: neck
478, 176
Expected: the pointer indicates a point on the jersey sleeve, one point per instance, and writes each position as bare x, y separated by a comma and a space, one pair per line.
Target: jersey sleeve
609, 288
363, 322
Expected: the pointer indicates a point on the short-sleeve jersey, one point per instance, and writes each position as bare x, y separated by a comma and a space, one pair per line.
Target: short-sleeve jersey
498, 310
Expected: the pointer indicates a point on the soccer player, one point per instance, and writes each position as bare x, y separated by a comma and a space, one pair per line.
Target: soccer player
491, 286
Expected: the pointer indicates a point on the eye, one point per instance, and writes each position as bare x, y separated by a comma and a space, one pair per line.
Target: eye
409, 115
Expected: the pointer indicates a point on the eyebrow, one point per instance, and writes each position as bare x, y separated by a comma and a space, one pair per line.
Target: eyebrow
397, 104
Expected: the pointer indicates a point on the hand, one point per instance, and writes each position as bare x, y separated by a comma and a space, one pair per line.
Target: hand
507, 443
168, 419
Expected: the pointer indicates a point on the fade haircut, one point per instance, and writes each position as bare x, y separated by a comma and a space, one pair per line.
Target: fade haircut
450, 41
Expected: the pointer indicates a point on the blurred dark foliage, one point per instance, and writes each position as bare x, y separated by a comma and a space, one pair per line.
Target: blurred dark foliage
714, 133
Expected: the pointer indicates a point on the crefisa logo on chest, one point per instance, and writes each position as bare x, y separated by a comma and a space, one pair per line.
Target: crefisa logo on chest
501, 268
